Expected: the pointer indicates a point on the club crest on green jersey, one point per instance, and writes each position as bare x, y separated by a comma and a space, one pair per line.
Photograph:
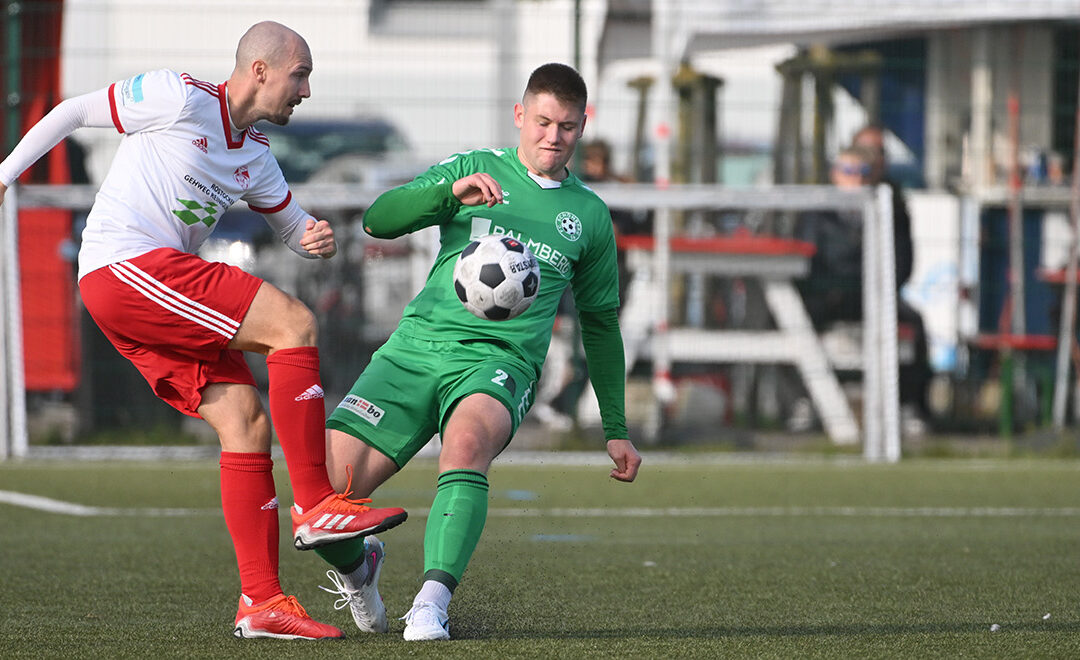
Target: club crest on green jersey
568, 225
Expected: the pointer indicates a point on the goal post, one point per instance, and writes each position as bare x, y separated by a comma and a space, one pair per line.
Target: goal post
15, 440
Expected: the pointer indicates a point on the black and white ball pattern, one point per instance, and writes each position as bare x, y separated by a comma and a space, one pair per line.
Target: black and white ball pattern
496, 277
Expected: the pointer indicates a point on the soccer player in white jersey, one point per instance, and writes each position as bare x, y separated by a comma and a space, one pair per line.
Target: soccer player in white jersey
189, 151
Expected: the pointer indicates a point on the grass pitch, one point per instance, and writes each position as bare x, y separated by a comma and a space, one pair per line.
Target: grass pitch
697, 559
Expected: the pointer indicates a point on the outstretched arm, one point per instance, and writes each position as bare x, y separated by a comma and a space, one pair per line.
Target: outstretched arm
88, 110
417, 205
607, 370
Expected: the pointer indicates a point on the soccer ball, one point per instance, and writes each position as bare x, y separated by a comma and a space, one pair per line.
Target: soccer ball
496, 277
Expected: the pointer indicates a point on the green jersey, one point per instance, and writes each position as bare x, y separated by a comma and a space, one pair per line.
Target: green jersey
565, 225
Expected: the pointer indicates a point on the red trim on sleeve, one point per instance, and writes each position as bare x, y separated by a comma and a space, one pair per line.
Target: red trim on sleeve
273, 209
113, 110
223, 100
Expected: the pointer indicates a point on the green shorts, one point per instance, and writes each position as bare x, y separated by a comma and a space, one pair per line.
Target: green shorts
406, 393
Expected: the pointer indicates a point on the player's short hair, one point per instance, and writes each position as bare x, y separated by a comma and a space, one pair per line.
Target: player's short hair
561, 81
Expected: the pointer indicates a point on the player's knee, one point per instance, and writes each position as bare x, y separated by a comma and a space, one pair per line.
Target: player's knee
297, 326
467, 451
246, 427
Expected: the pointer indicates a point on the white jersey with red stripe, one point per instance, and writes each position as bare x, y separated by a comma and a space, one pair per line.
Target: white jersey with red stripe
180, 165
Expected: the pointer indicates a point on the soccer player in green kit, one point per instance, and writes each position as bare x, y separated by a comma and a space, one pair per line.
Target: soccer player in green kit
472, 380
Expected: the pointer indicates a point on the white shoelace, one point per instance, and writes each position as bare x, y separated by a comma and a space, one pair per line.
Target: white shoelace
340, 589
421, 610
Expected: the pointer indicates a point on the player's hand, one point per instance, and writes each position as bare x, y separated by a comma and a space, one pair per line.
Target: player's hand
627, 459
3, 189
477, 189
318, 239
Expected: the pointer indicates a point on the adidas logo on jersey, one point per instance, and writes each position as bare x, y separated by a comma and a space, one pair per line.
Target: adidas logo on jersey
313, 392
200, 143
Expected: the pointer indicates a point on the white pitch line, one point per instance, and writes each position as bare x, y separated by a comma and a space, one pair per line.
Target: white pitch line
50, 505
780, 511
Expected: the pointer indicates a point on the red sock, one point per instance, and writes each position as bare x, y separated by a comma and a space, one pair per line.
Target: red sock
247, 497
296, 408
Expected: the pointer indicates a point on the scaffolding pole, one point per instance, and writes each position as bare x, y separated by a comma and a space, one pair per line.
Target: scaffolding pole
1067, 331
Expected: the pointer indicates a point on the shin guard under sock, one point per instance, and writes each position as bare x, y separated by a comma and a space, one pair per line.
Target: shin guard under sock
251, 514
299, 417
454, 525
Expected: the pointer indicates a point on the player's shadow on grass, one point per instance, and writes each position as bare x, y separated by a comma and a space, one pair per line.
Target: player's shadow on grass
465, 631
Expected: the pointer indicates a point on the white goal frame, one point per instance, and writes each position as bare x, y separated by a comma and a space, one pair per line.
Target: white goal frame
879, 434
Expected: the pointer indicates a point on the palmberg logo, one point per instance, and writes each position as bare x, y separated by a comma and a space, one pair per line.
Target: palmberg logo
568, 225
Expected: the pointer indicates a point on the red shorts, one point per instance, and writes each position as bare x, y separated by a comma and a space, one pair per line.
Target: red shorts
173, 314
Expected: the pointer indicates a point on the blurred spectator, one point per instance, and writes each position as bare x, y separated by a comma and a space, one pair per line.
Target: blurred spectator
914, 374
833, 290
596, 167
870, 140
596, 163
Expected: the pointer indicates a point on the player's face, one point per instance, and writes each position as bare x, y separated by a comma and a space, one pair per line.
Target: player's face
549, 132
287, 84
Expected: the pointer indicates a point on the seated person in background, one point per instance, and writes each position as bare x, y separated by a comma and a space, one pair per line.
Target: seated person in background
915, 373
833, 291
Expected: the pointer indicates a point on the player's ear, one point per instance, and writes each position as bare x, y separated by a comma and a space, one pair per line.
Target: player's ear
519, 115
258, 69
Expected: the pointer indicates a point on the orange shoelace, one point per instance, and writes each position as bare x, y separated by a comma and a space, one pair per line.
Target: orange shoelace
344, 497
290, 604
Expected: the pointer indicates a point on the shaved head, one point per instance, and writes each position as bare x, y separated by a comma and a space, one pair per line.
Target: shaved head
268, 41
273, 65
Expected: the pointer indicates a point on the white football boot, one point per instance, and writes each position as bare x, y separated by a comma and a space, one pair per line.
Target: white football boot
362, 597
426, 622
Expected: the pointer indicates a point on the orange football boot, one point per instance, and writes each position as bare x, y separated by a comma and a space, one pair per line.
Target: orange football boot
281, 617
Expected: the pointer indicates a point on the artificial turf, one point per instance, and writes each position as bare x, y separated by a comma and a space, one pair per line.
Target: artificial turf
699, 558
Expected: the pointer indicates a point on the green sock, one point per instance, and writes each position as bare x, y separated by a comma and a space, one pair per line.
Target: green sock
345, 556
454, 525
